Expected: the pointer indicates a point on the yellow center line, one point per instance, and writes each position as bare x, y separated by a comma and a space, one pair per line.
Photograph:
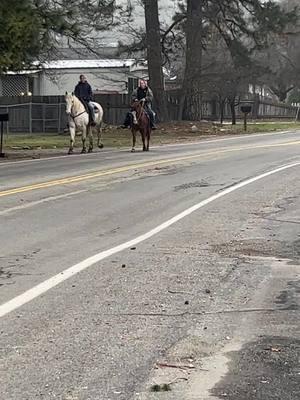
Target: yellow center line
112, 171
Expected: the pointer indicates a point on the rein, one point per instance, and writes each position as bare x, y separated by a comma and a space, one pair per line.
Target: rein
78, 115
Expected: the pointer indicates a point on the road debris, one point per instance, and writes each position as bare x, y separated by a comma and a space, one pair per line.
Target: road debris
179, 366
160, 388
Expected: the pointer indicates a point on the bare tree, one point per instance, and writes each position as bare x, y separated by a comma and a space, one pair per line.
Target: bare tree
155, 59
191, 93
244, 25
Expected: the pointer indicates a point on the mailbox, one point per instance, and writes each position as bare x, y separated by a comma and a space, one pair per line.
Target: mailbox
4, 117
246, 108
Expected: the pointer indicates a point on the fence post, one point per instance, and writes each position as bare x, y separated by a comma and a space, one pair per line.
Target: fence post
59, 118
30, 117
44, 116
7, 124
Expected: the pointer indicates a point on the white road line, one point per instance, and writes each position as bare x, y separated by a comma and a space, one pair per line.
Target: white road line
37, 202
50, 283
125, 150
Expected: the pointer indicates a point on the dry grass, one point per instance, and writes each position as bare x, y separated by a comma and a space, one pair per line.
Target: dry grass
177, 132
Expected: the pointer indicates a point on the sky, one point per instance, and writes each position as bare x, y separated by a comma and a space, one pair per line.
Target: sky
167, 10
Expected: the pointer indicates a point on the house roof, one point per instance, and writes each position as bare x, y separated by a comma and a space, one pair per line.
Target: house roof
132, 64
83, 64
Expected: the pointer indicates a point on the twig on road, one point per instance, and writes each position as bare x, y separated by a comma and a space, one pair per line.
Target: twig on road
179, 366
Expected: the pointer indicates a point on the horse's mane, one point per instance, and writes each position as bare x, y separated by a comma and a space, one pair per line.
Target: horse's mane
77, 102
75, 98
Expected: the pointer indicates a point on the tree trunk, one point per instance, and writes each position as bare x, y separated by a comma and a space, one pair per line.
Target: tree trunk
233, 112
222, 106
154, 57
192, 75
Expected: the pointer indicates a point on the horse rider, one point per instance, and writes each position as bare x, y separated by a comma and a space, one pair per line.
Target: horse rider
83, 91
145, 94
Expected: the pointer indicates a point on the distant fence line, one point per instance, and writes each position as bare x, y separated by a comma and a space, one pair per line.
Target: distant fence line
46, 114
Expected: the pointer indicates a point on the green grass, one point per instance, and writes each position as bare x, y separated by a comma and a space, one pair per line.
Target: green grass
47, 141
265, 127
169, 133
22, 141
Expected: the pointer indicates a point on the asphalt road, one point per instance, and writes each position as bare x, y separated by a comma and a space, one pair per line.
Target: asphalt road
176, 269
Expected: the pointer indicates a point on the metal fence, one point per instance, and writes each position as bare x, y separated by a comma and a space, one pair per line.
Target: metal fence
261, 109
47, 114
35, 117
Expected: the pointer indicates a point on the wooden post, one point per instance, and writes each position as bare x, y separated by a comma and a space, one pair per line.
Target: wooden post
3, 117
245, 122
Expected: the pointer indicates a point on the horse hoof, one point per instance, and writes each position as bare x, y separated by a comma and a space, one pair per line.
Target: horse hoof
144, 149
90, 150
83, 151
132, 150
101, 146
70, 152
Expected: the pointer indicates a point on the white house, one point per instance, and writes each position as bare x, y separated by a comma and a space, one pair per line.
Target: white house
57, 77
107, 75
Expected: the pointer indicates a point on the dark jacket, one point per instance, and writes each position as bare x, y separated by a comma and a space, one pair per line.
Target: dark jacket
140, 94
83, 91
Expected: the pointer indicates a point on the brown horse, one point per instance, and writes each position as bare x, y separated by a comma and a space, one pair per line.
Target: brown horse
141, 124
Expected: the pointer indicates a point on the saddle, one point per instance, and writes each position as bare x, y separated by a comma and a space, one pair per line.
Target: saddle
87, 109
85, 104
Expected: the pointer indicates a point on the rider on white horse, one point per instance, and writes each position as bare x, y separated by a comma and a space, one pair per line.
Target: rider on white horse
83, 91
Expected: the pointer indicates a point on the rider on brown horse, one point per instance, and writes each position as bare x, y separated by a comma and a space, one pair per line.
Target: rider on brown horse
141, 93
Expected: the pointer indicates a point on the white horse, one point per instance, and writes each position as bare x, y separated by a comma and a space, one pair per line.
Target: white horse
78, 119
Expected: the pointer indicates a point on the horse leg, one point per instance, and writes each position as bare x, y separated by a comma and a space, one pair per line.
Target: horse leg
143, 133
72, 139
133, 140
99, 133
91, 141
83, 151
148, 138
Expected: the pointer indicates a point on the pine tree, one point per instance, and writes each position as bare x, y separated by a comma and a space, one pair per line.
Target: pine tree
30, 30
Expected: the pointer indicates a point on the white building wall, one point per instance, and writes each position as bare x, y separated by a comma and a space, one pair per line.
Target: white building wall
57, 82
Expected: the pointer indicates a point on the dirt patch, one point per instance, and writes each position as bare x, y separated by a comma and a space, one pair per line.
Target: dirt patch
259, 248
